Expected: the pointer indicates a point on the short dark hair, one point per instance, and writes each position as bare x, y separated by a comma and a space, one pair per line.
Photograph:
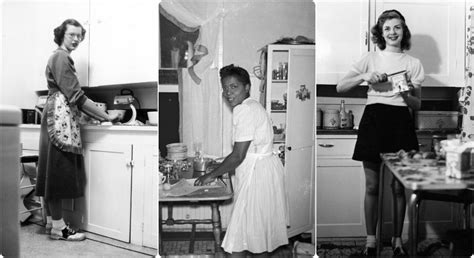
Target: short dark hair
238, 72
61, 30
377, 29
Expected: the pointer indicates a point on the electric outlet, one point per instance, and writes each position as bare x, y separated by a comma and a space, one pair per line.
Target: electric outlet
187, 216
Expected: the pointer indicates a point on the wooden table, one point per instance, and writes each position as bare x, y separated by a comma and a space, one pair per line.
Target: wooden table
211, 196
419, 179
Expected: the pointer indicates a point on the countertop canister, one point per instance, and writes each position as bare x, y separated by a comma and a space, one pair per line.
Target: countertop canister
331, 119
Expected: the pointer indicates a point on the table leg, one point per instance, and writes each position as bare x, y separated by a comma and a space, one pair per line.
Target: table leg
216, 227
380, 210
412, 225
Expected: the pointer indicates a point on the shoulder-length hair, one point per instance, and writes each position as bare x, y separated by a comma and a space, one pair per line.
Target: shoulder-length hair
61, 30
377, 30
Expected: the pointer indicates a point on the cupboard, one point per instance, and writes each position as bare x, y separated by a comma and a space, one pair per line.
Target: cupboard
343, 36
28, 45
290, 101
121, 196
120, 45
123, 42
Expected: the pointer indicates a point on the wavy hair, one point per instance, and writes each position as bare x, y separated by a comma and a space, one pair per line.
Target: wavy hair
377, 30
61, 30
238, 72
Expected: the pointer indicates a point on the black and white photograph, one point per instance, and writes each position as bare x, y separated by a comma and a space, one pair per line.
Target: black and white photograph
394, 175
79, 128
236, 128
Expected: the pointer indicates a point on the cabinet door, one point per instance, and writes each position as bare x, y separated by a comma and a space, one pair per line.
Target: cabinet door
440, 50
124, 42
28, 40
300, 139
108, 189
342, 37
340, 200
150, 225
300, 111
300, 184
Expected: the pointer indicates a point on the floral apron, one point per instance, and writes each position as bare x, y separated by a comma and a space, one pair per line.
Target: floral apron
62, 123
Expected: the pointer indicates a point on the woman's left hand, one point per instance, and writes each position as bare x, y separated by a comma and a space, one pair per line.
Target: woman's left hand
204, 179
411, 88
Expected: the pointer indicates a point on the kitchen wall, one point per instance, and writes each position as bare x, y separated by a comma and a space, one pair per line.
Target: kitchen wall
249, 26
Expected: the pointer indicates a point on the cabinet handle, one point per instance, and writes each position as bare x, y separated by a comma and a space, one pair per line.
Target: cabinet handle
366, 38
326, 145
131, 163
289, 148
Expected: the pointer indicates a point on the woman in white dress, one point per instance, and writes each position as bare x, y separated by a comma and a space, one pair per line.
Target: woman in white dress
259, 217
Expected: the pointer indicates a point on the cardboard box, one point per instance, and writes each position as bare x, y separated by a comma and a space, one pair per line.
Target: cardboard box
460, 161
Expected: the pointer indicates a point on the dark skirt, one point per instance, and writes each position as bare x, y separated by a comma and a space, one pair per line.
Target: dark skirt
61, 175
384, 128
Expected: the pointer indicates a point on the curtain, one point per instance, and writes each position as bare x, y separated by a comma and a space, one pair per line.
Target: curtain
199, 85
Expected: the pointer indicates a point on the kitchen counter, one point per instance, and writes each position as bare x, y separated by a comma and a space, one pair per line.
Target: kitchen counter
354, 132
146, 128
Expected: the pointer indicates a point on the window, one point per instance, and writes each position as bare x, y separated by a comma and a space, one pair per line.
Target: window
173, 44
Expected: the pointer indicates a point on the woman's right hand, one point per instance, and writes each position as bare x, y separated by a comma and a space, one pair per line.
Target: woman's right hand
373, 77
114, 118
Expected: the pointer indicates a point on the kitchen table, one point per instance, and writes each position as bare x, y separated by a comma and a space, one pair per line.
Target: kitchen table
212, 196
421, 179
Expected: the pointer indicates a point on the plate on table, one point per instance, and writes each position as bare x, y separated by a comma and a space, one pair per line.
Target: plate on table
419, 162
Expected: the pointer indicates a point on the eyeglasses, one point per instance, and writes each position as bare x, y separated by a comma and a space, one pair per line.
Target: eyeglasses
73, 35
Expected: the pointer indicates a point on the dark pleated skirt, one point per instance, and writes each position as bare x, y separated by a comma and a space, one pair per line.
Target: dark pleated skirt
382, 129
61, 175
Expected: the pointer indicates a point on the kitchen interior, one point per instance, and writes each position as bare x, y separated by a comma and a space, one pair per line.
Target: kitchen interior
342, 38
117, 68
266, 39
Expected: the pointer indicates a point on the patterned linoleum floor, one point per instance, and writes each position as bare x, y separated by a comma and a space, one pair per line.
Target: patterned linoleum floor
174, 244
350, 247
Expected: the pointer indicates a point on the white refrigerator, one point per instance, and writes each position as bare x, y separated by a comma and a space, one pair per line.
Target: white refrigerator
10, 119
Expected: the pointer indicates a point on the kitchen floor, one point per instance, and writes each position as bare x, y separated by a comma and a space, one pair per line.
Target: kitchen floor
35, 243
202, 245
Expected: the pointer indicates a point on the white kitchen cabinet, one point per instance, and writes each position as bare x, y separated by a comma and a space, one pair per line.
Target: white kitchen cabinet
150, 197
341, 191
342, 42
290, 103
28, 45
342, 37
109, 169
123, 42
121, 195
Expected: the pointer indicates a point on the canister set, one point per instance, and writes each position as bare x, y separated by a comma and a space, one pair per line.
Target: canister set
335, 118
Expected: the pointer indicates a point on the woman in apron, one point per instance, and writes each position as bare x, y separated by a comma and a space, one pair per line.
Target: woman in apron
61, 164
259, 216
387, 124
